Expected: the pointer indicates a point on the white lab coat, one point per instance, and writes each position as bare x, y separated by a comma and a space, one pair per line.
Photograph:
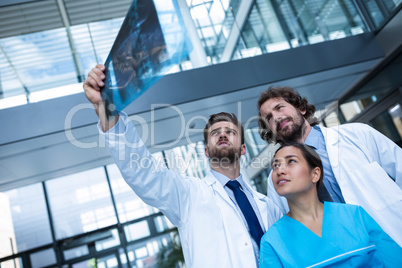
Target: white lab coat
211, 230
363, 160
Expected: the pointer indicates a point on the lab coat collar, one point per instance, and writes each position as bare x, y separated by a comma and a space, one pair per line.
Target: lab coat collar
211, 181
331, 135
259, 198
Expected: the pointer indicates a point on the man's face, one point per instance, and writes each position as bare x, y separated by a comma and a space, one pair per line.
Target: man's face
285, 121
224, 142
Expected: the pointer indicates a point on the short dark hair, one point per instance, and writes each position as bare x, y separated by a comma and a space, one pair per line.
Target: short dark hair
226, 117
310, 155
291, 96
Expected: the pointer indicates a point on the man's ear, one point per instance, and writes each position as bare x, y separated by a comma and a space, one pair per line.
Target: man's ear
206, 152
303, 112
243, 149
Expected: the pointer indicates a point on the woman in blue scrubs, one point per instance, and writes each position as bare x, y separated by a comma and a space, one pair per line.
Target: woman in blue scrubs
315, 234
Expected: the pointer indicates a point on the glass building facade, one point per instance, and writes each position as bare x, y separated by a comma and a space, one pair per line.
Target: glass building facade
54, 62
92, 218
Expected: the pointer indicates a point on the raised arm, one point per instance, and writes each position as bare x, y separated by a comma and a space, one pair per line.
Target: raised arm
152, 182
92, 86
156, 185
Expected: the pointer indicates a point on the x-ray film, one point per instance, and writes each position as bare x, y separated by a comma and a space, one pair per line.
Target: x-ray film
151, 40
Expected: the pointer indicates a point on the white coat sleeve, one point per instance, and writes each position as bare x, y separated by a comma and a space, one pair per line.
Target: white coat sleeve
385, 152
151, 180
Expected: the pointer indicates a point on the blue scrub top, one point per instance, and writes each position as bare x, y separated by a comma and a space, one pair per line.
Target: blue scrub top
350, 238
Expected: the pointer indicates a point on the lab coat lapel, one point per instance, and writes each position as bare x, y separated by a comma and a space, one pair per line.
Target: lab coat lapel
262, 207
233, 226
211, 181
332, 138
259, 198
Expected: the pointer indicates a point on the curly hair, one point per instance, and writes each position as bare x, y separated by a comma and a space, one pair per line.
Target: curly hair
226, 117
291, 96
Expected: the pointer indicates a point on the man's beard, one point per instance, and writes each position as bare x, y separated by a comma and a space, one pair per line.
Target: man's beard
291, 133
224, 155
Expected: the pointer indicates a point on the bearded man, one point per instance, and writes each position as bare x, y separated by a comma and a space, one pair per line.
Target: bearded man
220, 218
361, 166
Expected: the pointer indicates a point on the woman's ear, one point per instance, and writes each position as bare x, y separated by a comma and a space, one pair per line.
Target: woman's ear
316, 174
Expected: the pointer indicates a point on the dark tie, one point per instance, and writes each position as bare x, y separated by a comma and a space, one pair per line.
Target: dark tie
247, 210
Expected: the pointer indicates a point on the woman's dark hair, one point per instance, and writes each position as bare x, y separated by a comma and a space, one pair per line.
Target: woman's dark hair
226, 117
291, 96
311, 156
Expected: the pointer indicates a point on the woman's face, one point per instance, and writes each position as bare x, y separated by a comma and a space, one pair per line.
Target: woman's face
291, 174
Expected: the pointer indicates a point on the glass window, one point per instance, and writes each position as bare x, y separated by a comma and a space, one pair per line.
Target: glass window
93, 41
7, 235
188, 160
43, 258
350, 109
109, 242
391, 5
389, 123
200, 15
270, 26
379, 11
129, 205
107, 262
396, 114
214, 21
374, 11
162, 224
255, 145
76, 252
43, 60
310, 21
145, 254
26, 218
217, 12
123, 258
10, 85
381, 85
80, 203
332, 120
14, 263
137, 230
90, 263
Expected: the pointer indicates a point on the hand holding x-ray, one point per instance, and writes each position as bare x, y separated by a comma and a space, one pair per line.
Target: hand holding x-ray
144, 50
